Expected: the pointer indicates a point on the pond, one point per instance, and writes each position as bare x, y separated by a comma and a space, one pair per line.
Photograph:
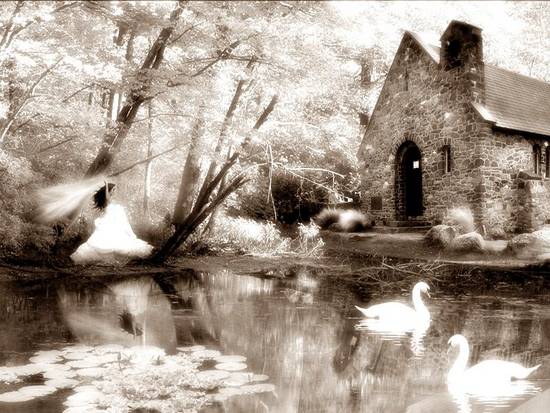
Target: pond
291, 338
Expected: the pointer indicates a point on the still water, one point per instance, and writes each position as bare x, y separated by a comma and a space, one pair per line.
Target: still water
299, 328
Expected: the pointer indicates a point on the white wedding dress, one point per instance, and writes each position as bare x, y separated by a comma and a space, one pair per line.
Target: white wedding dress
112, 241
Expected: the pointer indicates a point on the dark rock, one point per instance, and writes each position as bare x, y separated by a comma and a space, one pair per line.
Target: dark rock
531, 245
441, 235
470, 242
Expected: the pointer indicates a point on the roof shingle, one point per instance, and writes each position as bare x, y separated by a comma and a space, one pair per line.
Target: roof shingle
512, 101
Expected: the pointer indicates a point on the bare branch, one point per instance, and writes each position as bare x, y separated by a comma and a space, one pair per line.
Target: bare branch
37, 19
24, 100
27, 121
55, 145
156, 115
179, 36
9, 24
143, 161
65, 100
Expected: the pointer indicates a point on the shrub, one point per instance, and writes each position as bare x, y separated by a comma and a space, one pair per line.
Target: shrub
352, 220
248, 236
17, 230
460, 218
294, 199
347, 220
327, 217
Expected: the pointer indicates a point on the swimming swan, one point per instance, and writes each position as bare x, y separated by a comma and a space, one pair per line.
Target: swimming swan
485, 373
399, 312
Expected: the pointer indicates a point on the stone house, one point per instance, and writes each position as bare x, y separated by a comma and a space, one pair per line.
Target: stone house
449, 130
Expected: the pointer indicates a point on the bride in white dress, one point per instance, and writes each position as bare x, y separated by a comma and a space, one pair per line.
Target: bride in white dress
113, 240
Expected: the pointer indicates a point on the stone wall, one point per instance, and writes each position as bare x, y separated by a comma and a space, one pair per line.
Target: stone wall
533, 202
509, 182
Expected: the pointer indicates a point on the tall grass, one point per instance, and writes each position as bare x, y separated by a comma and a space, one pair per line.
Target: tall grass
248, 236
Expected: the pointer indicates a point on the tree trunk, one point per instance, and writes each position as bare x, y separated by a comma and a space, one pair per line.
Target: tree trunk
227, 120
115, 135
221, 139
148, 164
191, 173
204, 205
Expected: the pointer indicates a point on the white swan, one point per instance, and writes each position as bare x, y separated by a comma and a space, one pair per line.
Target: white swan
484, 373
400, 313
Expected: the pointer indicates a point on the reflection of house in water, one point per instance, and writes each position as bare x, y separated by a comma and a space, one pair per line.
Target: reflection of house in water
451, 130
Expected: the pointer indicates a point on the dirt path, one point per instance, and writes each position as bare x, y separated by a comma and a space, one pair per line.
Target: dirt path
411, 246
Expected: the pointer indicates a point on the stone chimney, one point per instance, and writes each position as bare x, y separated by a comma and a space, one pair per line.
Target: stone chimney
462, 51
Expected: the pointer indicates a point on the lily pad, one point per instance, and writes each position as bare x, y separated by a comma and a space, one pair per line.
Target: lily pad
58, 374
37, 391
109, 348
260, 377
76, 356
7, 375
54, 353
90, 372
62, 383
247, 389
231, 366
231, 359
213, 375
15, 397
84, 364
40, 359
54, 367
85, 388
191, 348
85, 398
232, 391
84, 409
28, 369
206, 354
231, 382
107, 358
238, 379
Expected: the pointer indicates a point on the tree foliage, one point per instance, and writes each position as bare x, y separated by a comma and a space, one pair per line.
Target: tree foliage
61, 85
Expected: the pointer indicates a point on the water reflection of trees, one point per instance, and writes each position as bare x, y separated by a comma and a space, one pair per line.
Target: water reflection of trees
28, 316
320, 363
311, 351
95, 314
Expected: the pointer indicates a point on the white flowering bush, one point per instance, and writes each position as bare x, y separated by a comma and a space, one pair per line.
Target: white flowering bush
461, 218
249, 236
309, 241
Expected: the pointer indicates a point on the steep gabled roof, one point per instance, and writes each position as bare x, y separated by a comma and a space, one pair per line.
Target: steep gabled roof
517, 102
512, 101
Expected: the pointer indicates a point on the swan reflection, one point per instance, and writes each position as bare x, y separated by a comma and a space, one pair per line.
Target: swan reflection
393, 320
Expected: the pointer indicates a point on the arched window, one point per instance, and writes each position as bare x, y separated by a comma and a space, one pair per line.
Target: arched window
446, 150
536, 159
